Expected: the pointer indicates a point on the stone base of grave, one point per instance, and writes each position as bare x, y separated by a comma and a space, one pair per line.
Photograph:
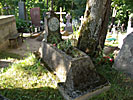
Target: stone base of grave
60, 62
85, 95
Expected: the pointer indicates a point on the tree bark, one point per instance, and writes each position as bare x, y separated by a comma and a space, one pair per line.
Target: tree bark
94, 27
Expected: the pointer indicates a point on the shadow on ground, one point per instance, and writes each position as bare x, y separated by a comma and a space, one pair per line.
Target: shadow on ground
44, 93
6, 55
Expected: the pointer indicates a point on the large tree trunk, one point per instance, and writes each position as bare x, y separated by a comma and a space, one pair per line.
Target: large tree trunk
94, 28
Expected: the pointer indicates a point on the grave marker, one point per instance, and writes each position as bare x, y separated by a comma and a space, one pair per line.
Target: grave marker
52, 27
35, 16
68, 27
22, 10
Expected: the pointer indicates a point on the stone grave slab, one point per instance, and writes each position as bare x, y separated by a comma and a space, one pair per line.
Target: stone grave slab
35, 16
124, 60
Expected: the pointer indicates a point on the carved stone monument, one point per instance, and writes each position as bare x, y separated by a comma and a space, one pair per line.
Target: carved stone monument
52, 27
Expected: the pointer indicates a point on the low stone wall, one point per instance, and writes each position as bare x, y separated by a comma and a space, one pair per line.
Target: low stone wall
7, 28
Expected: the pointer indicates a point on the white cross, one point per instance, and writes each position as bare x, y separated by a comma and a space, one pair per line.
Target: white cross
61, 13
82, 19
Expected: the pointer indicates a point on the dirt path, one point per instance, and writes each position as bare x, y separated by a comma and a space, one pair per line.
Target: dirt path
29, 45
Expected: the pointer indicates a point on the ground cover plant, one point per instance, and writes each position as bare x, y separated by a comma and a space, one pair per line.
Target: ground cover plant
27, 79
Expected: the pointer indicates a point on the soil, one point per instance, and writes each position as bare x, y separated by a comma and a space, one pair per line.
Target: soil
29, 45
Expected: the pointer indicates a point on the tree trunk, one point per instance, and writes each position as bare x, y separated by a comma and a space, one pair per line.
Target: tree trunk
94, 27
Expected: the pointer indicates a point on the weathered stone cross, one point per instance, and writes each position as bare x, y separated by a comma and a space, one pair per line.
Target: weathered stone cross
82, 19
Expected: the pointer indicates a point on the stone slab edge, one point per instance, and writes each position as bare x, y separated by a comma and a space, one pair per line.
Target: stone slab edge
86, 96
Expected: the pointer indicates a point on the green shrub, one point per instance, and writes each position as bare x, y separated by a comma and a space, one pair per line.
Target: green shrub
22, 25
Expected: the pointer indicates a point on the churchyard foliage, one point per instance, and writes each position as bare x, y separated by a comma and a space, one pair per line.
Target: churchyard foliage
22, 25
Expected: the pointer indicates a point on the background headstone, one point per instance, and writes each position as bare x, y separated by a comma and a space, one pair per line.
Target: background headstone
22, 10
35, 16
124, 60
68, 27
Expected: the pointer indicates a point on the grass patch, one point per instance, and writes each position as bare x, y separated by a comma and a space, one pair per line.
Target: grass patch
121, 84
6, 55
28, 80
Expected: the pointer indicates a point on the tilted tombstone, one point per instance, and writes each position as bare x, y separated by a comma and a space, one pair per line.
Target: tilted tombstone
124, 60
22, 10
35, 16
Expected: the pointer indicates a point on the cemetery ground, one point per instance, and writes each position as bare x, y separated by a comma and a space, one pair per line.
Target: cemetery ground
27, 78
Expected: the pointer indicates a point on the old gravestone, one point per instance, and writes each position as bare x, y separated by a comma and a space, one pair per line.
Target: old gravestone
22, 10
124, 60
52, 28
68, 27
35, 16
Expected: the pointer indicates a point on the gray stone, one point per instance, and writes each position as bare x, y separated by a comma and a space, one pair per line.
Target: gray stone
86, 95
7, 28
124, 60
52, 28
22, 10
61, 63
68, 27
79, 79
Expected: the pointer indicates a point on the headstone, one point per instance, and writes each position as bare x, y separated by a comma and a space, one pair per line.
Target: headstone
35, 16
52, 27
68, 27
124, 60
22, 10
130, 24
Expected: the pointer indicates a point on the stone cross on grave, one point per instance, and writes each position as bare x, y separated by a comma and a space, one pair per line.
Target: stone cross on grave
82, 19
60, 13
